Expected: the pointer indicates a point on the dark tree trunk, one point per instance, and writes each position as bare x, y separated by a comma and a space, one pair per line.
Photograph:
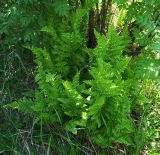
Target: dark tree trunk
98, 18
104, 11
92, 42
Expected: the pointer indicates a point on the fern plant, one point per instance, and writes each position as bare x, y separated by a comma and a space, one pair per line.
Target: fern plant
94, 91
100, 105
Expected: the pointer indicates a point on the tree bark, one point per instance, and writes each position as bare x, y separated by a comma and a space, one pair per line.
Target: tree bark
104, 12
92, 42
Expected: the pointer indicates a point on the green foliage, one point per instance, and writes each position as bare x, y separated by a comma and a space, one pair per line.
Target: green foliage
108, 95
108, 91
61, 7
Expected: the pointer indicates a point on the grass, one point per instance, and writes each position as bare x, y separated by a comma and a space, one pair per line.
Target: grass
20, 134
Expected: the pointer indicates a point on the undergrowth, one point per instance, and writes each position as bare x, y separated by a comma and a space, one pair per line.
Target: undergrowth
77, 78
